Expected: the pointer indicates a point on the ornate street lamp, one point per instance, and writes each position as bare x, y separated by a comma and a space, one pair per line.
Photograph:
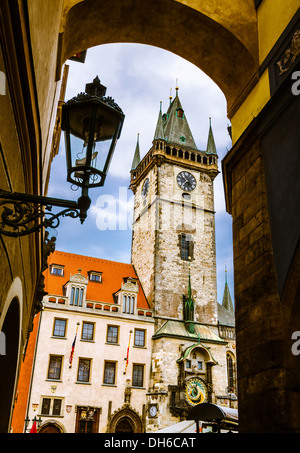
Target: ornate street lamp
92, 124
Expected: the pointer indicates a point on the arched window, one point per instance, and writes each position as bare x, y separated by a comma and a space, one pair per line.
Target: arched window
124, 303
72, 295
128, 304
77, 295
132, 305
80, 297
230, 374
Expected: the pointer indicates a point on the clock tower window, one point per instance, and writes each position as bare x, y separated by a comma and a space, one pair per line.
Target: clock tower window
186, 246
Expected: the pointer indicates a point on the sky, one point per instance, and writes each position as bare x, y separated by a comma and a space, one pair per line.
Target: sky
138, 78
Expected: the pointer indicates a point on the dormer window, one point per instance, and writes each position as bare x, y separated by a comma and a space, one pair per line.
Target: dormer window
77, 295
56, 269
76, 289
179, 113
95, 277
128, 304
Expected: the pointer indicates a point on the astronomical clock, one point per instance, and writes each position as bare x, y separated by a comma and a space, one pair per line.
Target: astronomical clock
195, 391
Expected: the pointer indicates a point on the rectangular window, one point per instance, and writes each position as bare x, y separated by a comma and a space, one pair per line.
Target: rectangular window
186, 246
87, 331
46, 406
109, 373
56, 407
84, 370
199, 365
137, 375
59, 329
139, 337
112, 334
51, 406
188, 364
54, 370
95, 277
57, 270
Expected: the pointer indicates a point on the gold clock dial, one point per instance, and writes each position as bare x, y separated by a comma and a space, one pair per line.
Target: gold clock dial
195, 391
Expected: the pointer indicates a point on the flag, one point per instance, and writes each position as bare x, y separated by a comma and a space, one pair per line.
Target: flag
73, 347
33, 428
127, 357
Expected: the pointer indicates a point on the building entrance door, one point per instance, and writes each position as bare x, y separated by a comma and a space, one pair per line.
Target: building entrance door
124, 426
50, 429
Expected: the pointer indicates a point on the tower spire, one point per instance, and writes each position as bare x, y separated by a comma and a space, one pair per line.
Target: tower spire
211, 147
159, 131
137, 156
176, 127
227, 301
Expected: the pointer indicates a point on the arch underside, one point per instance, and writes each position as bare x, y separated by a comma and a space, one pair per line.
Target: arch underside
171, 26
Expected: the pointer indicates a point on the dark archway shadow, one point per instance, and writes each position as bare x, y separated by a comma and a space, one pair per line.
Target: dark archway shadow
9, 363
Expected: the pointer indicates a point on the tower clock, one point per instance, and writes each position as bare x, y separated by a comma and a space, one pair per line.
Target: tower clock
173, 225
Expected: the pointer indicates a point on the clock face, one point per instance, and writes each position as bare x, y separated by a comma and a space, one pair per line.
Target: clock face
153, 411
145, 188
195, 391
186, 181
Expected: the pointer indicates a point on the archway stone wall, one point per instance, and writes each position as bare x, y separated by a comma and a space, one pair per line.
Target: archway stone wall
225, 48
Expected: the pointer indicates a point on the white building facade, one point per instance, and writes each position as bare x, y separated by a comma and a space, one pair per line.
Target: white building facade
101, 385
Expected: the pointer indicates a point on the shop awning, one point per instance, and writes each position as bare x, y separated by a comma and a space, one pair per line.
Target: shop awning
223, 417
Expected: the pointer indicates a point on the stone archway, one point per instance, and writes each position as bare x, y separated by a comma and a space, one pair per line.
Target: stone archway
124, 425
230, 59
51, 428
125, 420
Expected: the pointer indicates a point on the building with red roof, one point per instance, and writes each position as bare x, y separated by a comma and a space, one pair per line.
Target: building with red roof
91, 366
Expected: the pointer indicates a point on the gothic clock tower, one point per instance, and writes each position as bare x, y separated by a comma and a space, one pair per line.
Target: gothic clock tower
173, 241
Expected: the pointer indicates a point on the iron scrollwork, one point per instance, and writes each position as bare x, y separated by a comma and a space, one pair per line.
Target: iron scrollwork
20, 217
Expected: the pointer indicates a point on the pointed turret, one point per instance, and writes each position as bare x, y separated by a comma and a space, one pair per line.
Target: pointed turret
211, 147
137, 156
227, 302
159, 131
176, 127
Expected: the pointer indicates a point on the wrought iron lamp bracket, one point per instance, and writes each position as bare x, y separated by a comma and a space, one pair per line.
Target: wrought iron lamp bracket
23, 214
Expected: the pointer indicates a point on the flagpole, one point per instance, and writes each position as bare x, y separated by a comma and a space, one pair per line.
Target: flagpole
73, 347
127, 357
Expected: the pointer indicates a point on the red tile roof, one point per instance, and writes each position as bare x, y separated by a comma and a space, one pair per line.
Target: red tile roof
113, 274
